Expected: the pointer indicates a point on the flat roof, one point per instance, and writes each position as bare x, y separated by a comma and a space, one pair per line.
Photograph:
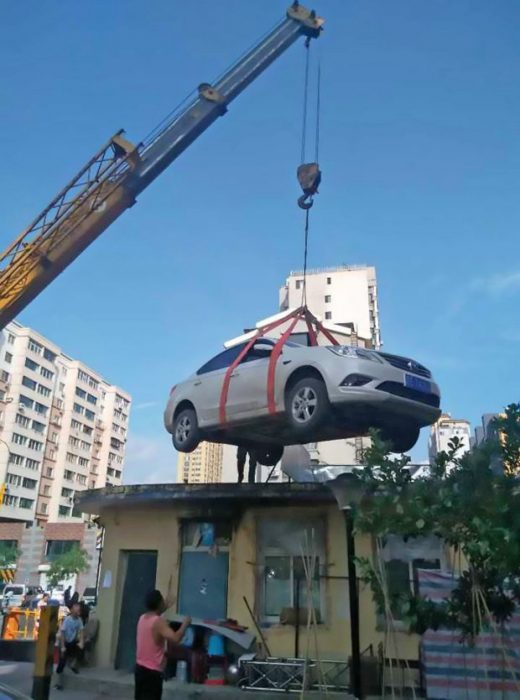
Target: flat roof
95, 501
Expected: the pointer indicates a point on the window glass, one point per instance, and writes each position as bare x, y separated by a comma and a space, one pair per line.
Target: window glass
224, 359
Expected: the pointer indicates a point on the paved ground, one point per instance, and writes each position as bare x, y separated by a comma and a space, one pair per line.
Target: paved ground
19, 676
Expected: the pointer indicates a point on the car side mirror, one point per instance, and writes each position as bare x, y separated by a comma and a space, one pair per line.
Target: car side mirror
265, 348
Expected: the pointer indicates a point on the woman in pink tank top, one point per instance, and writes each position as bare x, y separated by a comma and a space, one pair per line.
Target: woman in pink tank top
152, 634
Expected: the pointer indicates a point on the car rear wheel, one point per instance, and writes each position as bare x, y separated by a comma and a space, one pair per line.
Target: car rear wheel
306, 404
186, 434
268, 455
401, 439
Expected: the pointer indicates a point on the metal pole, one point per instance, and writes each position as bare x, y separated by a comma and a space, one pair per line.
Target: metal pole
297, 621
353, 605
44, 653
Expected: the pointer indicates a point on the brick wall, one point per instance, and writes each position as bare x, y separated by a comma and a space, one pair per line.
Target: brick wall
12, 531
64, 531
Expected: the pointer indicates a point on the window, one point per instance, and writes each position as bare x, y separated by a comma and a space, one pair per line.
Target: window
38, 427
16, 459
26, 401
14, 479
89, 414
32, 464
68, 475
10, 339
29, 383
8, 357
87, 430
328, 298
75, 424
46, 490
220, 361
402, 561
22, 420
81, 479
49, 355
34, 346
329, 280
83, 462
10, 500
67, 493
282, 574
40, 408
35, 445
71, 458
328, 315
63, 512
110, 471
73, 441
4, 376
54, 437
46, 373
43, 390
85, 445
91, 399
117, 474
31, 364
298, 284
80, 392
43, 508
78, 408
55, 548
19, 439
29, 483
26, 503
49, 472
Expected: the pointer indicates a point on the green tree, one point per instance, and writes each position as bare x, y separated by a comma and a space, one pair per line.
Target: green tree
67, 565
9, 554
465, 501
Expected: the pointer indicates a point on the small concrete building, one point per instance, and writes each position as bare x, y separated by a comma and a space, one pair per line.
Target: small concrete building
212, 547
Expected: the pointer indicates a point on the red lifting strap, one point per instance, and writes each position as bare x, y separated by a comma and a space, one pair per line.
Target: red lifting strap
227, 377
275, 354
296, 315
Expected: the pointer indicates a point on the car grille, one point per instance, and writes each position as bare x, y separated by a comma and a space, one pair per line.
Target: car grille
406, 393
406, 364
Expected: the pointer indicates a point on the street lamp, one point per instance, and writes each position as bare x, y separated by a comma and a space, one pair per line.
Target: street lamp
348, 491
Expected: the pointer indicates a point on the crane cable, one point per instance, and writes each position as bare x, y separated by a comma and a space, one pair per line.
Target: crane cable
309, 174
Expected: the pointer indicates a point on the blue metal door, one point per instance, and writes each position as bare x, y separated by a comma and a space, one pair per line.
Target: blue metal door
203, 585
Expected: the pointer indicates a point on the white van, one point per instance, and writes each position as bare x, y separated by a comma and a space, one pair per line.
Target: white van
14, 594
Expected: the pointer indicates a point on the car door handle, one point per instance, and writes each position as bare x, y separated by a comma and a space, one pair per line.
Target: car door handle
286, 362
197, 383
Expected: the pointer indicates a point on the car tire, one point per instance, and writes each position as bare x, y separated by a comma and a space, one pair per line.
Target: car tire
186, 433
401, 439
268, 455
307, 405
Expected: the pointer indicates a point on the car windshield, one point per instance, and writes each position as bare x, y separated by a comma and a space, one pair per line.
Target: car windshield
15, 590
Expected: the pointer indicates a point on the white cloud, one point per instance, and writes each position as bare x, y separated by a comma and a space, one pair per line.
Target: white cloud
144, 405
498, 284
150, 460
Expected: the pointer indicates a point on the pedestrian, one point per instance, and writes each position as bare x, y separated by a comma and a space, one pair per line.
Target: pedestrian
242, 453
74, 599
66, 596
71, 641
153, 632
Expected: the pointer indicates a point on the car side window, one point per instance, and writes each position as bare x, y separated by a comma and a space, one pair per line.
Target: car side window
256, 353
222, 360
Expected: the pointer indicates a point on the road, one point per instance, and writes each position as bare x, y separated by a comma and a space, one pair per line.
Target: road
18, 676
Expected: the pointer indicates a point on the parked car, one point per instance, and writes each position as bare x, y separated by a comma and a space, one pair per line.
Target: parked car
90, 596
320, 393
15, 594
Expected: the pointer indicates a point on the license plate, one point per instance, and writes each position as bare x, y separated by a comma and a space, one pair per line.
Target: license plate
417, 383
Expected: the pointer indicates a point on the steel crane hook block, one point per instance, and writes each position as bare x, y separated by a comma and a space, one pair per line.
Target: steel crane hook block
309, 177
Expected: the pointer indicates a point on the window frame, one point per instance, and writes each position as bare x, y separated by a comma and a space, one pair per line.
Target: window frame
230, 353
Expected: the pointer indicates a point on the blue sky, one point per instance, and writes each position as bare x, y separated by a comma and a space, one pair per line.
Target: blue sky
420, 151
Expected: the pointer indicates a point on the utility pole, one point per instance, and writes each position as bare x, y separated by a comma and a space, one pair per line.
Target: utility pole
44, 657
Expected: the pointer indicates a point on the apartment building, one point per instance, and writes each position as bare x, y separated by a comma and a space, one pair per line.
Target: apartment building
202, 466
62, 428
344, 295
444, 430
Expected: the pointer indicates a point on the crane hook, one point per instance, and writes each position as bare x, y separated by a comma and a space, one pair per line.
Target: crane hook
309, 177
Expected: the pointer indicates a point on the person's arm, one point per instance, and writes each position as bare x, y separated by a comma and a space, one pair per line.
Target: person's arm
165, 631
61, 638
81, 637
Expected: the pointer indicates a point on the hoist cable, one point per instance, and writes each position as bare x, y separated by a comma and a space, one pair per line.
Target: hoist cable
305, 100
305, 254
318, 112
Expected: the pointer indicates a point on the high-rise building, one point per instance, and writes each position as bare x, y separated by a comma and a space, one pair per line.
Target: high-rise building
486, 431
202, 466
345, 296
63, 428
444, 430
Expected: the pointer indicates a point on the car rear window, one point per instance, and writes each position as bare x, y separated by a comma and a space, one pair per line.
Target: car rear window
15, 590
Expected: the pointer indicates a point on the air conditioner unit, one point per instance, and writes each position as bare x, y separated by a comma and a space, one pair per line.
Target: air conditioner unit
21, 407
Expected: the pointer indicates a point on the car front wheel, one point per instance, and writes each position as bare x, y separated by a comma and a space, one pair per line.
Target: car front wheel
401, 439
186, 434
306, 404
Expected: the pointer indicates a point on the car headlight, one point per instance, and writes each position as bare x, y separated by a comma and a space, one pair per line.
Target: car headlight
355, 353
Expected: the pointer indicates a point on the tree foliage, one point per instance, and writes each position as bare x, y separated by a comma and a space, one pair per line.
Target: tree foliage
9, 555
467, 502
67, 565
